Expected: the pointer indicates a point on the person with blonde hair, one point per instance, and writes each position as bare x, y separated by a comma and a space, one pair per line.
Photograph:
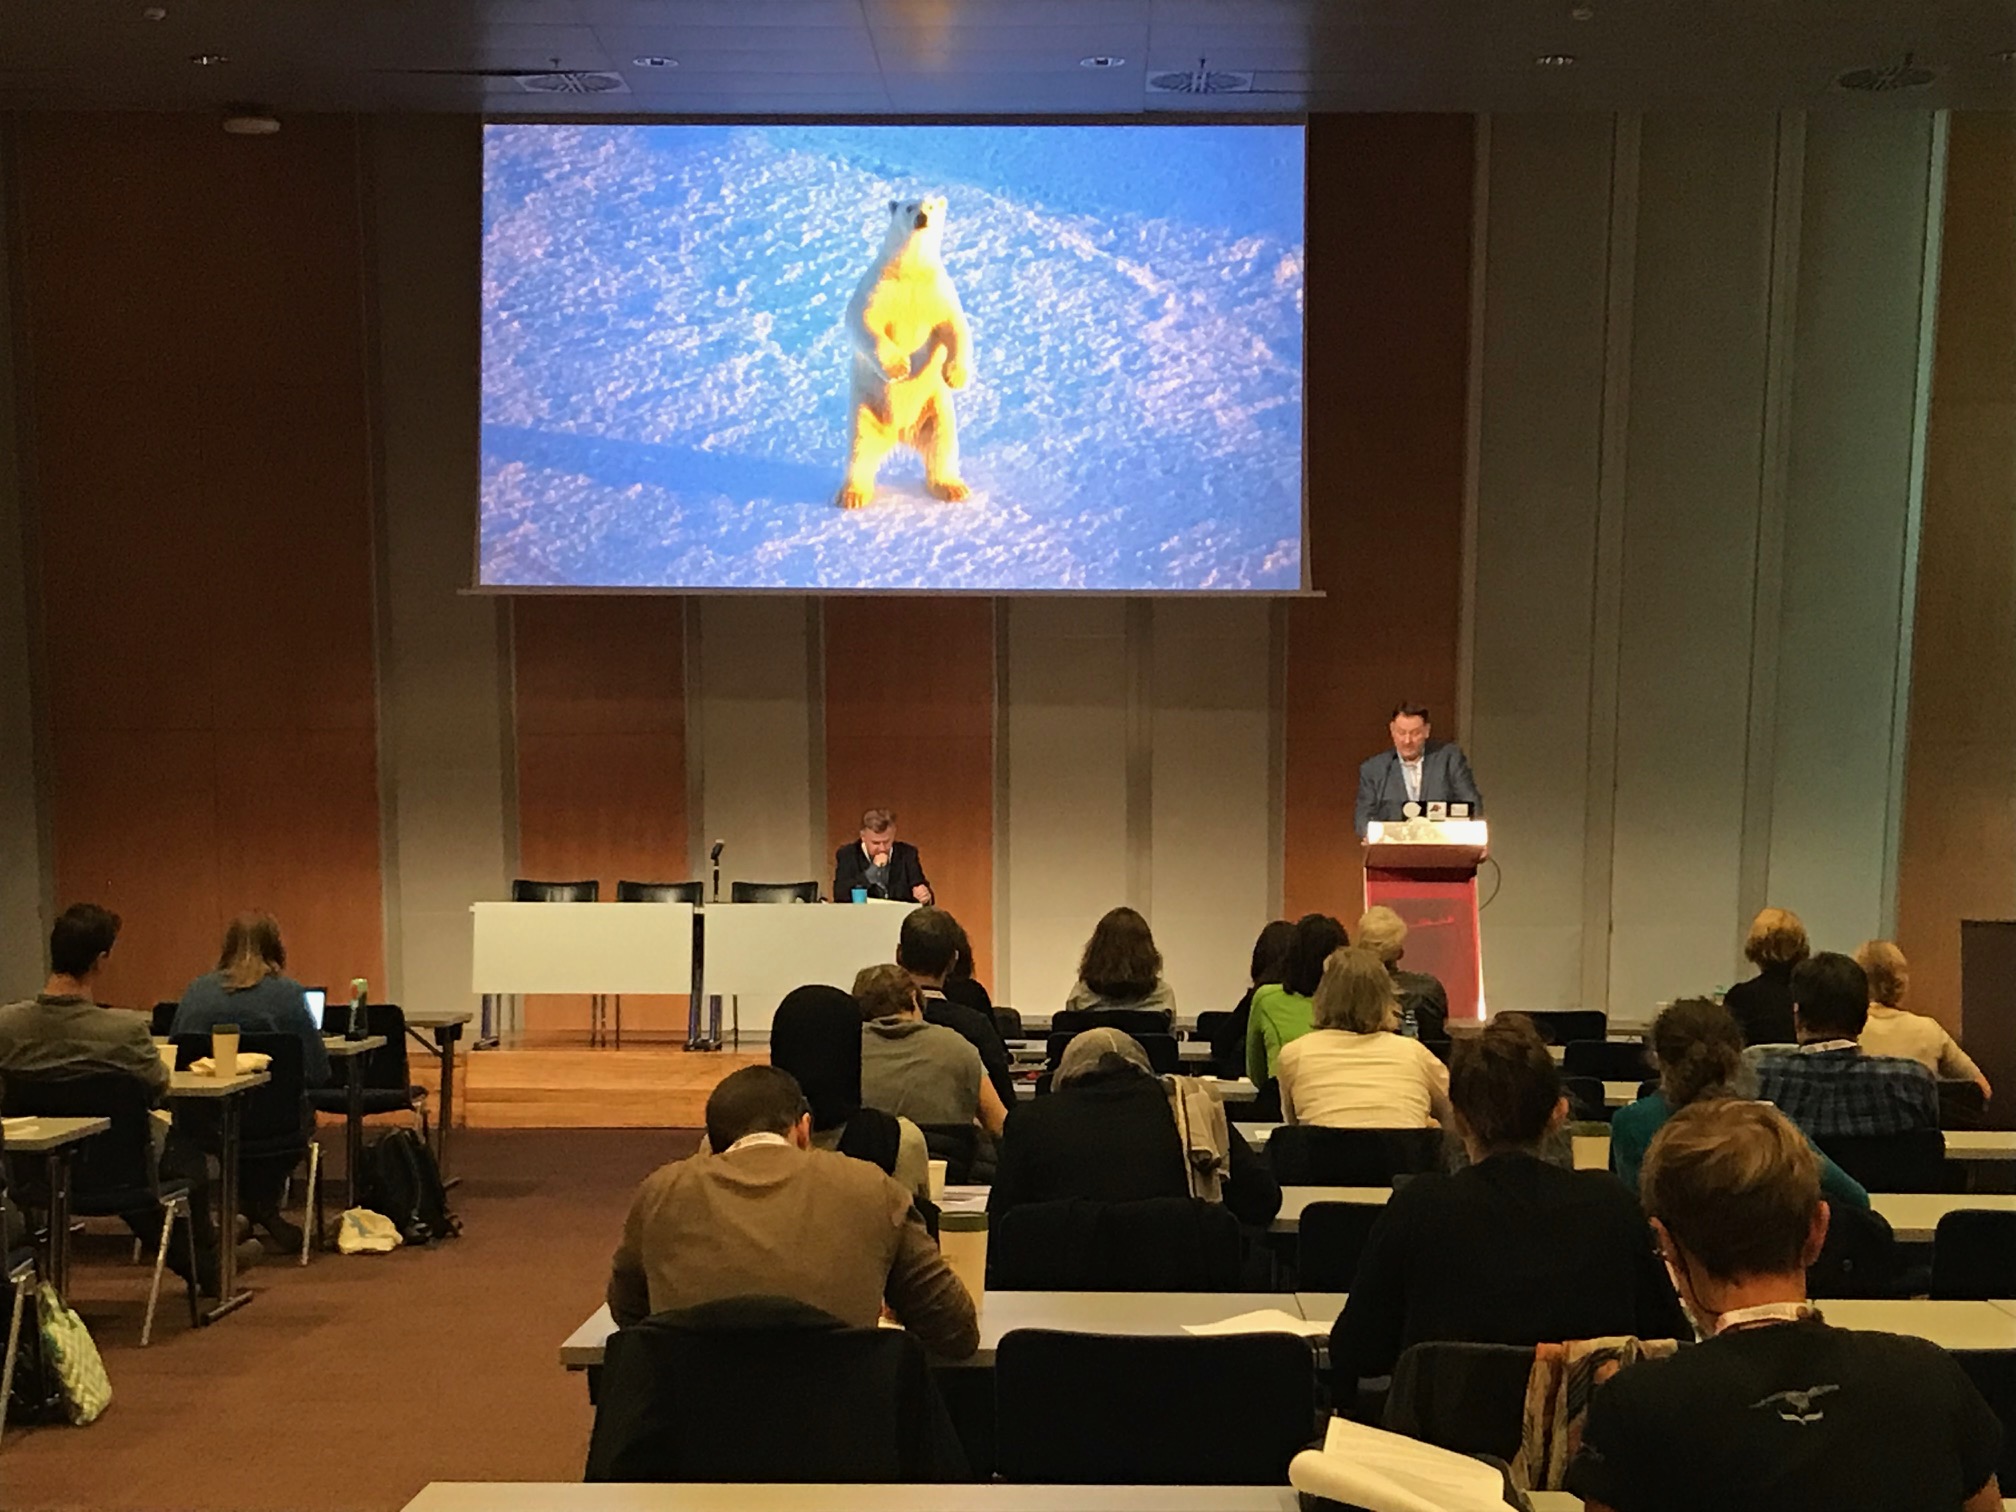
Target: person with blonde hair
1352, 1070
1762, 1006
1424, 1002
1892, 1030
1775, 1407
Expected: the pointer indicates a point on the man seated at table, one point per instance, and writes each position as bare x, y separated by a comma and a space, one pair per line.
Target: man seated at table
1827, 1084
914, 1069
1512, 1249
927, 947
63, 1033
768, 1215
1776, 1408
879, 864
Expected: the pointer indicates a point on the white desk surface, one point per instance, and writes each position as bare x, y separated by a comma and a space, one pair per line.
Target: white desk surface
1321, 1307
581, 947
757, 952
1981, 1144
434, 1018
1915, 1215
1296, 1198
1620, 1094
1563, 1501
1239, 1091
1950, 1325
38, 1136
572, 1496
340, 1048
189, 1084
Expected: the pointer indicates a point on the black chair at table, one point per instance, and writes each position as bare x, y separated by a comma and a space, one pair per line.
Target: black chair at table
1860, 1258
1160, 1244
958, 1145
1587, 1101
694, 1396
386, 1072
1330, 1239
1134, 1021
1974, 1255
1007, 1022
1306, 1155
162, 1020
659, 892
1962, 1105
1565, 1026
1605, 1060
1914, 1161
1151, 1410
114, 1173
526, 890
1467, 1398
275, 1122
773, 892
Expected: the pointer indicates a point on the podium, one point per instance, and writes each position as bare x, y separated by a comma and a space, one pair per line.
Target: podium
1425, 870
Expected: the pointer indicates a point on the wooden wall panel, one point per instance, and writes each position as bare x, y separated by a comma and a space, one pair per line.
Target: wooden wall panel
601, 737
199, 470
910, 727
1389, 272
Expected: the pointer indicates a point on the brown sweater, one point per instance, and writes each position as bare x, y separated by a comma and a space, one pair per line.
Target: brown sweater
774, 1220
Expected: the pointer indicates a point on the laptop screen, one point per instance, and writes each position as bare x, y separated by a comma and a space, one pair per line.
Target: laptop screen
317, 999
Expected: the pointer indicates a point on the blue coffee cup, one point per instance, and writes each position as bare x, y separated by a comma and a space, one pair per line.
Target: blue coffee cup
860, 895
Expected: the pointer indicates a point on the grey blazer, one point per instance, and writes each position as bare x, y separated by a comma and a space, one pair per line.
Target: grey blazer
1445, 778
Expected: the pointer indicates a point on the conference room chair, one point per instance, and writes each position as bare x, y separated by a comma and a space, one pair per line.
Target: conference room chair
387, 1073
659, 892
1441, 1049
1564, 1026
1134, 1021
1587, 1102
1962, 1105
770, 1390
114, 1173
1265, 1107
162, 1020
1914, 1161
1160, 1244
773, 892
958, 1145
525, 890
21, 1277
1605, 1060
1160, 1047
274, 1120
1467, 1398
1007, 1022
1861, 1258
1974, 1256
1152, 1410
1331, 1238
1306, 1155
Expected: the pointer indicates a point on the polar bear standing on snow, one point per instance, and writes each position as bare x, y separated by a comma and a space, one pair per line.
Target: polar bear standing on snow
911, 350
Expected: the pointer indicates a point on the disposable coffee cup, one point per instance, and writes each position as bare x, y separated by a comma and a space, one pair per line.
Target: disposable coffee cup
860, 895
938, 1170
224, 1049
962, 1239
166, 1051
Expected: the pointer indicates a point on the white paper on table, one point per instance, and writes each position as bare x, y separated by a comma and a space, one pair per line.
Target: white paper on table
1387, 1472
249, 1061
1266, 1320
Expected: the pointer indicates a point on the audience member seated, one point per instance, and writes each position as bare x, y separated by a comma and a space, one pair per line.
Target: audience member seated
928, 948
1353, 1071
816, 1038
1270, 959
1108, 1133
1776, 1408
1424, 1002
1700, 1052
1827, 1085
960, 984
766, 1214
1285, 1011
1511, 1249
63, 1032
250, 988
1892, 1030
916, 1069
1121, 968
1762, 1006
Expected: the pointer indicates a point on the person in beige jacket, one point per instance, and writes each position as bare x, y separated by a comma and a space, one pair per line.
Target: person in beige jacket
766, 1214
1911, 1036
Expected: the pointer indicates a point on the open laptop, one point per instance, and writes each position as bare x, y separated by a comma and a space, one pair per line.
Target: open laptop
317, 999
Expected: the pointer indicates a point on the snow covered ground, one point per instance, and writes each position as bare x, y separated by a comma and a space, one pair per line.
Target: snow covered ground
665, 374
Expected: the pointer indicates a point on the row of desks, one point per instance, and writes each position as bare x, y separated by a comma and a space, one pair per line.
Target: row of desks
1592, 1151
572, 1496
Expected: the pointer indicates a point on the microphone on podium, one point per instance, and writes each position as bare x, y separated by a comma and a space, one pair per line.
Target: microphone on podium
714, 856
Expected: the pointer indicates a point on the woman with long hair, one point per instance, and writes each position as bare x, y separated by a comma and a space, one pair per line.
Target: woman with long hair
1121, 968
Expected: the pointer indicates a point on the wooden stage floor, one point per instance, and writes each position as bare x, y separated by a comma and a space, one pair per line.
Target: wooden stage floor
643, 1086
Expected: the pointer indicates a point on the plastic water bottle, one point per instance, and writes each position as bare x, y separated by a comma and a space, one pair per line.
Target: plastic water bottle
360, 992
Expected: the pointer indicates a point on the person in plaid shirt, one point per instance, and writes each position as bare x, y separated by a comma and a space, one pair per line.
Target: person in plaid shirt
1826, 1084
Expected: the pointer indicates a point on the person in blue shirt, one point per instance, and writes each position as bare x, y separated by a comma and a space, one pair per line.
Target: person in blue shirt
251, 988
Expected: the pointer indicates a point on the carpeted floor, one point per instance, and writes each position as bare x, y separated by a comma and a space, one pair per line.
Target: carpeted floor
352, 1383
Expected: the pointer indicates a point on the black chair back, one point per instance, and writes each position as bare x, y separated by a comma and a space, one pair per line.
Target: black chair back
1105, 1409
1962, 1105
1860, 1257
1606, 1060
659, 892
272, 1118
525, 890
955, 1144
773, 892
1914, 1161
1304, 1155
1467, 1398
1974, 1256
1007, 1022
114, 1172
386, 1069
691, 1397
1265, 1107
1331, 1237
162, 1019
1587, 1102
1134, 1021
1161, 1244
1564, 1026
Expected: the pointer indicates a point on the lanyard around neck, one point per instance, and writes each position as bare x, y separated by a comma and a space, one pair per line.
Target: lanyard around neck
1762, 1316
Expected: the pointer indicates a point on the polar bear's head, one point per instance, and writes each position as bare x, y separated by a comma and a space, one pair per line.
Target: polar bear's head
918, 223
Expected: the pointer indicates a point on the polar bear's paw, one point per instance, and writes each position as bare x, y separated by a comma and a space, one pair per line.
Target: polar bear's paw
853, 496
951, 490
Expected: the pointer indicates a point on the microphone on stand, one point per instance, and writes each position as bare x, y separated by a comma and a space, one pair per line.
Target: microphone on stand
714, 856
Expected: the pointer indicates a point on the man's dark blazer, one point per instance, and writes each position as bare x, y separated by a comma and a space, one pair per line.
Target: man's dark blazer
850, 870
1445, 778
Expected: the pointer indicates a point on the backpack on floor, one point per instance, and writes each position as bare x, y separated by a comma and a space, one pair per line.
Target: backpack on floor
400, 1180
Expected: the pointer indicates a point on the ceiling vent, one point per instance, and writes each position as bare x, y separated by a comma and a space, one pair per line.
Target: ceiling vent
573, 82
1888, 79
1201, 81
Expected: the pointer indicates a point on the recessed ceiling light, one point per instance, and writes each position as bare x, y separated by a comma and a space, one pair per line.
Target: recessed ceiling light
207, 60
1555, 60
652, 60
154, 13
1101, 60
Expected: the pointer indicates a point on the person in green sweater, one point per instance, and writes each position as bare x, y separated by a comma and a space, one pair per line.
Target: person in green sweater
1284, 1011
1700, 1049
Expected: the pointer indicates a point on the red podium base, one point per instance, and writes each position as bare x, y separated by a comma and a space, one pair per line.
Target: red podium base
1433, 886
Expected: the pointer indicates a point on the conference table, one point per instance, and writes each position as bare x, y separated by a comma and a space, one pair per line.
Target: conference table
350, 1055
1227, 1090
574, 1496
52, 1140
447, 1025
226, 1092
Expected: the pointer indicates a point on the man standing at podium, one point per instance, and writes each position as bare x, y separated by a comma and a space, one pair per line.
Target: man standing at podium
881, 865
1417, 770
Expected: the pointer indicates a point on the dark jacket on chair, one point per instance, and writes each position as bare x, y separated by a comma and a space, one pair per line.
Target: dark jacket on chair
1113, 1139
1509, 1251
906, 872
